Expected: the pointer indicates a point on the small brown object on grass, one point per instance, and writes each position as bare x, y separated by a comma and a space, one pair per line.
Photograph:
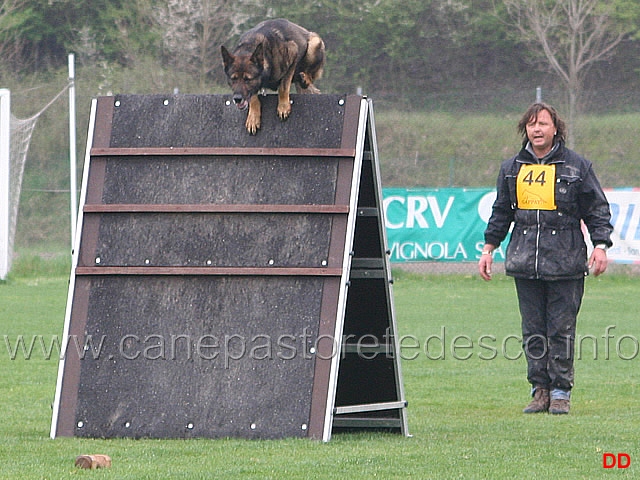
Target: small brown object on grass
93, 461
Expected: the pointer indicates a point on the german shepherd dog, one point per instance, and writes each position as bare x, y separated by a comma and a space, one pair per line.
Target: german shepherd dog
273, 54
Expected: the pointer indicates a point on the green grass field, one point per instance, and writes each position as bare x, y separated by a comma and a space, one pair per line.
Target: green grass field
464, 414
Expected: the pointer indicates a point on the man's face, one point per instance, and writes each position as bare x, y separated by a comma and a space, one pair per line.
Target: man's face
540, 131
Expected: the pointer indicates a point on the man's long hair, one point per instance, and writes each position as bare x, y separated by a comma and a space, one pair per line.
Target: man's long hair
531, 115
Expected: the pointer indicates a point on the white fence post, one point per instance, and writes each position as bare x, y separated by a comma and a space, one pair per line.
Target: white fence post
72, 149
5, 208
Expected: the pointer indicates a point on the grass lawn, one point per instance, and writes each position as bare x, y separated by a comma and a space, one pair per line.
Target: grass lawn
465, 392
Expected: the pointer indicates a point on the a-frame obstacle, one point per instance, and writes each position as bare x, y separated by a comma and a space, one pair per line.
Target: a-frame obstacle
228, 285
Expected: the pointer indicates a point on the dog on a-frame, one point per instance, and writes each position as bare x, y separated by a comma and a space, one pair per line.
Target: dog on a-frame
273, 55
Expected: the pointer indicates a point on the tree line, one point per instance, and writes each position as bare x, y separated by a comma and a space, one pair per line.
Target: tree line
400, 49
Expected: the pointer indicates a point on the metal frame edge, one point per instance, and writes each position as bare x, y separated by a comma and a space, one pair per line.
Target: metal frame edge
346, 269
387, 267
72, 277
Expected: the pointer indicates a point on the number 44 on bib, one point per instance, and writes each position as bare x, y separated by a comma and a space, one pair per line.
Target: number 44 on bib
535, 187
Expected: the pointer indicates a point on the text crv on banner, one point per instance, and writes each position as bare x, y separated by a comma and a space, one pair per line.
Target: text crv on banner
447, 224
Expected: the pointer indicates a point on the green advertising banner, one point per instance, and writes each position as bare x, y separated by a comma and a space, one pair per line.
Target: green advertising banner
437, 224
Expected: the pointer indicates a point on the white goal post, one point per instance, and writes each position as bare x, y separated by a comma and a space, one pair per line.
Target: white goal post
15, 137
5, 142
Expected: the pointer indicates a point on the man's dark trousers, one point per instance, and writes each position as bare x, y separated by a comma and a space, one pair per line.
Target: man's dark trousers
549, 310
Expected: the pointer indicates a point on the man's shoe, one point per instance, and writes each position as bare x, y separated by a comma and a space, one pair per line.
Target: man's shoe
559, 406
540, 402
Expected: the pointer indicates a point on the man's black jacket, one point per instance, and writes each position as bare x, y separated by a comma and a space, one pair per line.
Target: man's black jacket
549, 244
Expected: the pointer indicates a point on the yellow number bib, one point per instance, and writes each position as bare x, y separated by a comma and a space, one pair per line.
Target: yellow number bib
536, 187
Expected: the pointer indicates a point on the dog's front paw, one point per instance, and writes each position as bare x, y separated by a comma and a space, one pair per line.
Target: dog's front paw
253, 123
284, 110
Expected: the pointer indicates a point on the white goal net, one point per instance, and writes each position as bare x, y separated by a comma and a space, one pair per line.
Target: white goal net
15, 136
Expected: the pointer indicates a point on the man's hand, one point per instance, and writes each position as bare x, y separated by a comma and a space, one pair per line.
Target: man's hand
598, 261
486, 260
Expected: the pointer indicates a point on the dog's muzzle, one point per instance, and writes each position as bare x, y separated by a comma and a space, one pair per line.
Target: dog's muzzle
240, 102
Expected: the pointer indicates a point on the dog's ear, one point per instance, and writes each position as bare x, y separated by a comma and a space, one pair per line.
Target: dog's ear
227, 58
258, 55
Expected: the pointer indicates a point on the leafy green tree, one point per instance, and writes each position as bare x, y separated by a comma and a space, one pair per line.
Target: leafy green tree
110, 30
11, 17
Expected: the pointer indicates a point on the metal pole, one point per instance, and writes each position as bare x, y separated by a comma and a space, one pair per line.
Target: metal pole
452, 169
72, 148
538, 94
5, 208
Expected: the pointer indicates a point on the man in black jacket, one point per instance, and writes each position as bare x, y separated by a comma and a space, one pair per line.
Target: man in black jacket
546, 190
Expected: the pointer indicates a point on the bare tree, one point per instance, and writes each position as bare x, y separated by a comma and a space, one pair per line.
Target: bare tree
571, 35
194, 30
212, 29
